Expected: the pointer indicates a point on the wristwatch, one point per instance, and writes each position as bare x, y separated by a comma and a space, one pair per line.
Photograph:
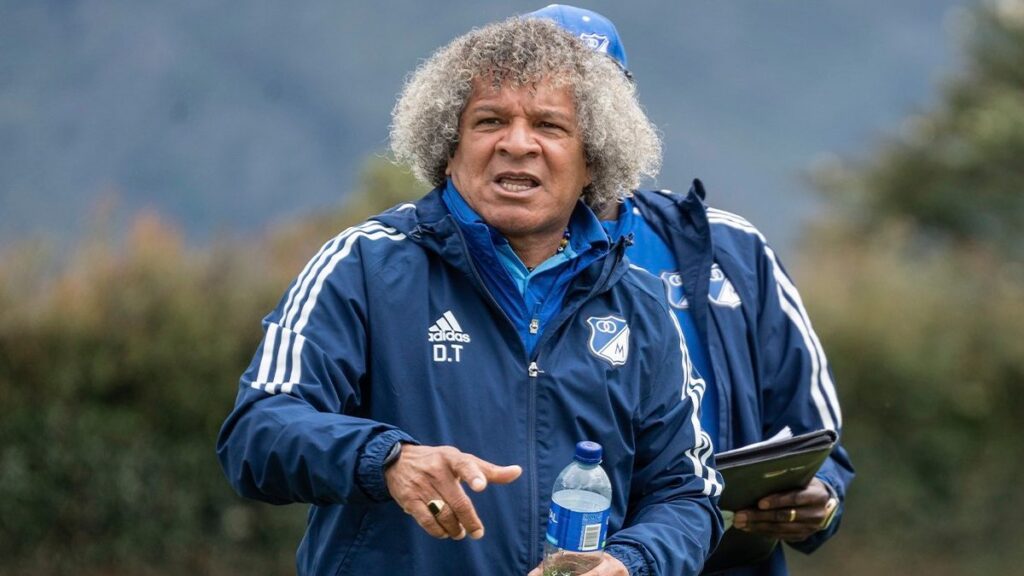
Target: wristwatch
393, 455
831, 507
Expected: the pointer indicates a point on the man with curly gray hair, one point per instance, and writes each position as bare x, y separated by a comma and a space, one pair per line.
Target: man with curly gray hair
491, 321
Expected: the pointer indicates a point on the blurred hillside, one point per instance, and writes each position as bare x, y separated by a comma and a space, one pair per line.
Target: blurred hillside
228, 116
119, 360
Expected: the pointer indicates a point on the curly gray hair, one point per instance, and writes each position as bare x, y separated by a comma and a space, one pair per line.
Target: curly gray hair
620, 143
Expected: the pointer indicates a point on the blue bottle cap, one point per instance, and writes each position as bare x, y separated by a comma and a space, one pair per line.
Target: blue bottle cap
588, 452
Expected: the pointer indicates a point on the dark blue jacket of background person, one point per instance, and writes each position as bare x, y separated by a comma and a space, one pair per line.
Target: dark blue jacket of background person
770, 370
389, 334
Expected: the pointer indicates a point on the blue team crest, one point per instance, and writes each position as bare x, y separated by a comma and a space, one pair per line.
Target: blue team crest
673, 282
596, 42
722, 291
609, 339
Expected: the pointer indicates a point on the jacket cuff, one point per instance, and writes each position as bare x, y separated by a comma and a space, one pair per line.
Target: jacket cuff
631, 557
370, 472
827, 474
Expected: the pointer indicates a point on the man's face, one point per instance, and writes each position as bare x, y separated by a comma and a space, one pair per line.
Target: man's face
519, 162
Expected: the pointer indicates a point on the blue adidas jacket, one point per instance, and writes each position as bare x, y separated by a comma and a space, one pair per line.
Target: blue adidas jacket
770, 369
388, 334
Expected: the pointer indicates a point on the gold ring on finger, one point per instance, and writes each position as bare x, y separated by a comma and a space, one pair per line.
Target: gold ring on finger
435, 506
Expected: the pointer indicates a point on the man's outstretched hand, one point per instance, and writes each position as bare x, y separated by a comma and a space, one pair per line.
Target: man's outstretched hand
425, 474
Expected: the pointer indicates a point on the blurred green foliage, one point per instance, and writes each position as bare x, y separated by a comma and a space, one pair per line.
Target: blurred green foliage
915, 283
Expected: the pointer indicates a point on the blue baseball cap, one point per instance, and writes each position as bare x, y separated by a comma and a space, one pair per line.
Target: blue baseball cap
595, 30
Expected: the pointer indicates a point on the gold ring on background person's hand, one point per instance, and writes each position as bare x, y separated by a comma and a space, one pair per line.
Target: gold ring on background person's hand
792, 514
435, 506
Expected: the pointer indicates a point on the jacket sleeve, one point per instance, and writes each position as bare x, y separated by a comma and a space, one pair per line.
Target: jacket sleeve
673, 521
295, 434
798, 390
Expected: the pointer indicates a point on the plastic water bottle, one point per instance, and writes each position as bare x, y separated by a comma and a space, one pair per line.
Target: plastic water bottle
578, 521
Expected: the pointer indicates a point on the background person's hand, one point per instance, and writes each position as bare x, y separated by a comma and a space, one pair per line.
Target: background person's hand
425, 473
609, 566
790, 516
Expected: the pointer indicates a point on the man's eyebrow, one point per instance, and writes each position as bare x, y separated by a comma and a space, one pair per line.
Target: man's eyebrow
486, 109
552, 114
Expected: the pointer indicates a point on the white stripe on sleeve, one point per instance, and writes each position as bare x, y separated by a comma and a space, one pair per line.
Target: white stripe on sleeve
268, 355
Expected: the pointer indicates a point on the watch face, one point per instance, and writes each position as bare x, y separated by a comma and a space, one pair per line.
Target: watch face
830, 510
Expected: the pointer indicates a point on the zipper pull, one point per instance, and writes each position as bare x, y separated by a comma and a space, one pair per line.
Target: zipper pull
534, 325
533, 370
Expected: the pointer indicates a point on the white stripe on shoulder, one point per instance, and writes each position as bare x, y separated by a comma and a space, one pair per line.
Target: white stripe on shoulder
301, 306
302, 282
822, 387
325, 272
718, 212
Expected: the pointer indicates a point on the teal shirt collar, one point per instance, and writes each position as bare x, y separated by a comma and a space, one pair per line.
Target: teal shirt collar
585, 233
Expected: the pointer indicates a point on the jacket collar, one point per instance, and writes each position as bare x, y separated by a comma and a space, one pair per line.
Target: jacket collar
586, 232
429, 223
682, 222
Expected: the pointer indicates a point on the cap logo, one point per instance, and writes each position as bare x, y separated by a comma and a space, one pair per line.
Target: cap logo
596, 42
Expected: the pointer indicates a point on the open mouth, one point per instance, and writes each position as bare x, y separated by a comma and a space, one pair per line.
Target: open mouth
516, 182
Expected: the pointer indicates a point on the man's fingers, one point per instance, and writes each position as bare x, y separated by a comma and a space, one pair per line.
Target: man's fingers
426, 520
790, 532
470, 471
499, 474
780, 522
780, 500
609, 566
427, 473
459, 514
813, 494
448, 519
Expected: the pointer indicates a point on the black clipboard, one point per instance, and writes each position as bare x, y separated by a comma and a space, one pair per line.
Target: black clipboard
754, 471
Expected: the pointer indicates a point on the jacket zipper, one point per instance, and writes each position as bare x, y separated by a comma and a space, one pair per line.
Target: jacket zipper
531, 411
532, 372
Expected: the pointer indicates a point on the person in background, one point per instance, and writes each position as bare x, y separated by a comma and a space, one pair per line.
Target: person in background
474, 336
748, 333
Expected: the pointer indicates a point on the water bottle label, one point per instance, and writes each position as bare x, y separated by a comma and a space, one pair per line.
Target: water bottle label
577, 531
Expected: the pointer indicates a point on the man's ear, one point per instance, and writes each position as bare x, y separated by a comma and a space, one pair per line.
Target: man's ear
451, 157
